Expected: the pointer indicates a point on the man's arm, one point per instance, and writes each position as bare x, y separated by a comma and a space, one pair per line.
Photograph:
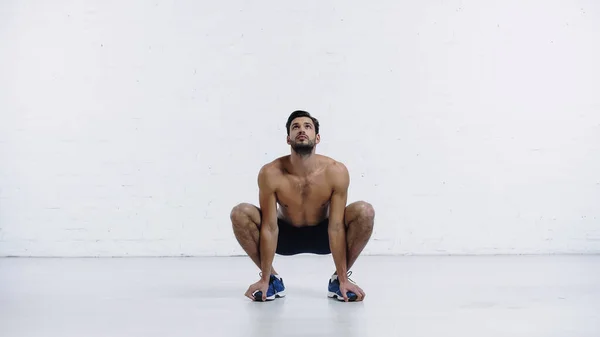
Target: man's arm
268, 227
340, 179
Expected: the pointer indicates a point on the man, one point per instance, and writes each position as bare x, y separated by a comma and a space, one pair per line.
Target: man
311, 191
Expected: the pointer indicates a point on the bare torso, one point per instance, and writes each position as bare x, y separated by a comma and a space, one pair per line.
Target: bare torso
302, 200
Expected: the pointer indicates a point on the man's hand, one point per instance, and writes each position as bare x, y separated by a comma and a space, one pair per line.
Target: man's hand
346, 286
260, 286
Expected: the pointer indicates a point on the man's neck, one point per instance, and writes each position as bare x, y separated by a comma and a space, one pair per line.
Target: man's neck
303, 164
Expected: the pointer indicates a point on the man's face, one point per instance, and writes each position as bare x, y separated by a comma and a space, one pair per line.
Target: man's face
302, 136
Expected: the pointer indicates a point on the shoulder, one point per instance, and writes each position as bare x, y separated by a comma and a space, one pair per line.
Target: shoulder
337, 173
333, 167
270, 173
336, 168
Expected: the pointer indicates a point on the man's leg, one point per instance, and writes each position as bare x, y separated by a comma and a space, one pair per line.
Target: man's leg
246, 220
359, 219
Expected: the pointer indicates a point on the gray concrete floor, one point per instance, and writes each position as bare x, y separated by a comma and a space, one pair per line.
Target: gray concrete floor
406, 296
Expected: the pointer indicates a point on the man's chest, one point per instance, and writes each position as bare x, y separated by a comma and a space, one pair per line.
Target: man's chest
312, 189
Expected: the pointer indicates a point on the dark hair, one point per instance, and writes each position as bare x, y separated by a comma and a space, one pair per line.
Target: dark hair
301, 113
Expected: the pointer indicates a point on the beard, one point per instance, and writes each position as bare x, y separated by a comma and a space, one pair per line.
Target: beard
303, 149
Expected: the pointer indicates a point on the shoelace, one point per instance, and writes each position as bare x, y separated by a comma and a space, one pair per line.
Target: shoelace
348, 275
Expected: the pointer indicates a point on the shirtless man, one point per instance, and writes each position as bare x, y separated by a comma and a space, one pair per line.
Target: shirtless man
311, 191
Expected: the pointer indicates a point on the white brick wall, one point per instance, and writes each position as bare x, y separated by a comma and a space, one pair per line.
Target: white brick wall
132, 128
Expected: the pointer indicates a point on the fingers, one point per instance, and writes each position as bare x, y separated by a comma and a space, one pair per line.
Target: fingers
359, 293
249, 295
344, 292
251, 292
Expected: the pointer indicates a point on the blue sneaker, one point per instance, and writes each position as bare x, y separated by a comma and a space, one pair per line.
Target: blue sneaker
278, 286
334, 289
276, 289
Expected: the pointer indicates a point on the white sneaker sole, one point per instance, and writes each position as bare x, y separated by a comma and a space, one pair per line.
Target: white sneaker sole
277, 295
331, 294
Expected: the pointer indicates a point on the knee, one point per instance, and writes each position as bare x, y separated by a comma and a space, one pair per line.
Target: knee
365, 216
240, 214
365, 211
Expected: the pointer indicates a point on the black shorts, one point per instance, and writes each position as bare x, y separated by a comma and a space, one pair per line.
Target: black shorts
309, 239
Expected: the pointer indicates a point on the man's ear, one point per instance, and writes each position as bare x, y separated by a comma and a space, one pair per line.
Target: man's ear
288, 140
318, 139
